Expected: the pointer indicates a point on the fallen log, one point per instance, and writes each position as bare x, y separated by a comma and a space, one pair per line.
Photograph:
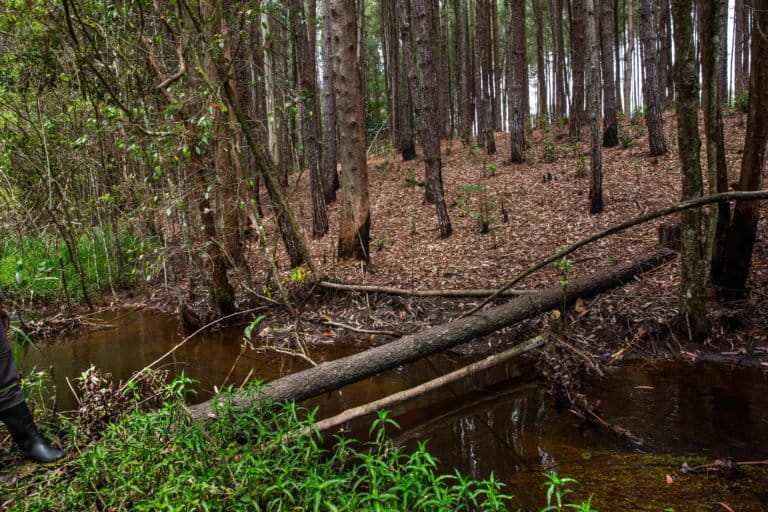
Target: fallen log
430, 385
332, 375
390, 290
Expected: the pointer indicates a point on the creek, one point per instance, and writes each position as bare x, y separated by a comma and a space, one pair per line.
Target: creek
502, 421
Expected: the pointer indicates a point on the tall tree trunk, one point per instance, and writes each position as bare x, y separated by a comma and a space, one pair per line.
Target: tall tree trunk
629, 58
596, 155
693, 312
653, 118
309, 108
330, 153
722, 72
738, 48
464, 71
611, 129
541, 72
617, 53
561, 84
717, 167
355, 223
578, 55
423, 76
666, 81
517, 78
497, 65
484, 75
743, 228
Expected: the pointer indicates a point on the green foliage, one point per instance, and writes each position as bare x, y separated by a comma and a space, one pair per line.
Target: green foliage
299, 274
625, 139
549, 153
581, 167
410, 177
41, 268
741, 103
557, 489
566, 270
268, 458
248, 332
478, 204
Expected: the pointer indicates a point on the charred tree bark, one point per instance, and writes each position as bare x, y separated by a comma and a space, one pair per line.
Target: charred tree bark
333, 375
731, 279
309, 109
518, 70
653, 118
693, 312
596, 155
355, 223
610, 123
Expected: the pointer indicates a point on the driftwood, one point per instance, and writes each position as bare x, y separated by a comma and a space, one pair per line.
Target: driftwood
431, 385
335, 374
389, 290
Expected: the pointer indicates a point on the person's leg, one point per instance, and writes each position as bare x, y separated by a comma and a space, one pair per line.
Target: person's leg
14, 412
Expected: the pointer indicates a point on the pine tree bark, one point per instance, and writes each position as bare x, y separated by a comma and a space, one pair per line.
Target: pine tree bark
693, 313
717, 168
330, 153
561, 84
738, 48
722, 73
629, 58
742, 231
610, 123
484, 76
578, 54
464, 72
666, 81
651, 99
593, 72
497, 65
617, 54
355, 223
542, 109
423, 76
309, 109
517, 79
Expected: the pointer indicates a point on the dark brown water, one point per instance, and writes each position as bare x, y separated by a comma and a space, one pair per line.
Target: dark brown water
501, 422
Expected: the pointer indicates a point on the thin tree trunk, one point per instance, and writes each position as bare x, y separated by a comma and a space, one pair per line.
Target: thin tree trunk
722, 72
717, 167
423, 76
578, 55
330, 146
596, 155
464, 71
738, 48
484, 75
653, 117
497, 65
311, 131
629, 58
617, 53
610, 124
666, 81
556, 14
743, 228
355, 222
693, 311
517, 78
541, 76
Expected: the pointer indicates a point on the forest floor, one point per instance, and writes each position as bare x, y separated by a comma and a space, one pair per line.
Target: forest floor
534, 209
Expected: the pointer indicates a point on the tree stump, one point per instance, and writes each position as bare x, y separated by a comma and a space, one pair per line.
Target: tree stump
669, 235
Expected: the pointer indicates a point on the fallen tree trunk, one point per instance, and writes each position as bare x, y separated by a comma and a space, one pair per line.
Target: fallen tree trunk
431, 385
389, 290
335, 374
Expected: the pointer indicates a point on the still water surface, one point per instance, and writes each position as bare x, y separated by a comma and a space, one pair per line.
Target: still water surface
502, 421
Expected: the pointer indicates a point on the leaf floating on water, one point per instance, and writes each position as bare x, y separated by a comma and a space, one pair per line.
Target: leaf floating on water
670, 480
725, 506
647, 388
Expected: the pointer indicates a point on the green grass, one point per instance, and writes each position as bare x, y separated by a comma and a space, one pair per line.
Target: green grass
265, 459
41, 269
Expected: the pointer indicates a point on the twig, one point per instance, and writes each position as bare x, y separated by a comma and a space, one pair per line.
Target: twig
328, 321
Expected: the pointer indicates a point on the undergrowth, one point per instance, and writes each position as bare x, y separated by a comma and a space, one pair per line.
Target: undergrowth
266, 459
43, 269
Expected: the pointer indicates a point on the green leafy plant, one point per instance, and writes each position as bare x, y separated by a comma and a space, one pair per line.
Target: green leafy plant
565, 266
557, 489
478, 204
581, 167
549, 152
299, 274
410, 177
248, 331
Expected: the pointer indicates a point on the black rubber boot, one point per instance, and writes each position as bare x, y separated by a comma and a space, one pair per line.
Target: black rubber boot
22, 427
